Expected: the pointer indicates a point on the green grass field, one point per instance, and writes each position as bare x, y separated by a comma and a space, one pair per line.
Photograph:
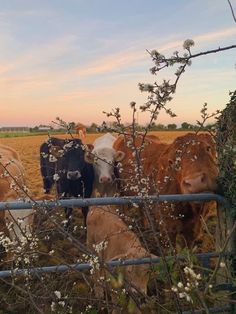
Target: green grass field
23, 134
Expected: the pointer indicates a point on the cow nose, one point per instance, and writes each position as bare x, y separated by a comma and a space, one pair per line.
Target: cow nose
196, 184
105, 179
73, 175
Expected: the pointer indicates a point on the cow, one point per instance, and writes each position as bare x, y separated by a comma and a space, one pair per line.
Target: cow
80, 130
106, 230
12, 186
105, 159
188, 165
62, 162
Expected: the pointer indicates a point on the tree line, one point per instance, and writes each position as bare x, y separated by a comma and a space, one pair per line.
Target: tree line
185, 126
97, 128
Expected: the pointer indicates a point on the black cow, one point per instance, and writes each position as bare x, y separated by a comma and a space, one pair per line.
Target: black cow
62, 162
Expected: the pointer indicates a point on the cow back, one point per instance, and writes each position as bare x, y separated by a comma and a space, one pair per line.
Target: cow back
12, 186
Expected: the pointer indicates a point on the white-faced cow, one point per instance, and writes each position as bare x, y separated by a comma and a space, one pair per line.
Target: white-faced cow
62, 162
104, 158
12, 186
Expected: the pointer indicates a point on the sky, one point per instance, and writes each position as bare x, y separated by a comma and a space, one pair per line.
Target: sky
74, 59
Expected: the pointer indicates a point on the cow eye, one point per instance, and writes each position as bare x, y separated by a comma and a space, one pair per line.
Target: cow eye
208, 149
171, 163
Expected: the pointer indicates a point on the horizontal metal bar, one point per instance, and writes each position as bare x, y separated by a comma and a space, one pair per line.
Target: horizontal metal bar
83, 202
220, 310
86, 266
224, 286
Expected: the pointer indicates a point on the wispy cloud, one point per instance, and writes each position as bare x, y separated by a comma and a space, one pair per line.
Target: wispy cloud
63, 47
218, 35
19, 13
31, 74
46, 53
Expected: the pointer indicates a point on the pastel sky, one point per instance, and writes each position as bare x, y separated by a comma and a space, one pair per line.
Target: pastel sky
77, 58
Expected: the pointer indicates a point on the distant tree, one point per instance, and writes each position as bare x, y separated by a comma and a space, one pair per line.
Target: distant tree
210, 126
171, 126
161, 126
185, 126
157, 127
72, 125
35, 129
93, 128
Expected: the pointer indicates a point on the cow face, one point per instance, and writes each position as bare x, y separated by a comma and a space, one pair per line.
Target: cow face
70, 159
193, 159
103, 160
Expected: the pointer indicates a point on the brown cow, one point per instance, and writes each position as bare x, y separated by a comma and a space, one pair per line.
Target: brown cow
105, 226
12, 185
80, 129
188, 165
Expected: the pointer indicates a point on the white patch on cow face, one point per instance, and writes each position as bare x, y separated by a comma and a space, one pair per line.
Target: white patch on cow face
104, 164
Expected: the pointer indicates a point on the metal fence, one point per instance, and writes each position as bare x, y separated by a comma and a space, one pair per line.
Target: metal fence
203, 257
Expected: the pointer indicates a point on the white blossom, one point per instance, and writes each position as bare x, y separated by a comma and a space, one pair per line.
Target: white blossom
57, 294
188, 43
52, 158
56, 177
53, 306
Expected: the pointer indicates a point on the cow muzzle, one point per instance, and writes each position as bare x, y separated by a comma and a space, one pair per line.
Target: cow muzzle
105, 179
73, 175
199, 183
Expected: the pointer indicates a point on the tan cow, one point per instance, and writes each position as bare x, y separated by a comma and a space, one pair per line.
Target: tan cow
105, 226
12, 185
188, 165
80, 129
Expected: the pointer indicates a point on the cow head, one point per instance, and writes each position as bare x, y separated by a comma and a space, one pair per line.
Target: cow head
104, 160
192, 161
70, 158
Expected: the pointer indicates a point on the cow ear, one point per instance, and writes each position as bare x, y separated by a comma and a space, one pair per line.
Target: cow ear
56, 151
119, 155
207, 138
171, 163
89, 157
89, 147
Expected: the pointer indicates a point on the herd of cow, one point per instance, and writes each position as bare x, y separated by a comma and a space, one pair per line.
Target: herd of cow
110, 167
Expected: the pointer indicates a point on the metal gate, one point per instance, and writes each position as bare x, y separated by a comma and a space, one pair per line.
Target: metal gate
203, 257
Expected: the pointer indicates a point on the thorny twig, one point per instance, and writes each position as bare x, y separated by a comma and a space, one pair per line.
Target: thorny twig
232, 10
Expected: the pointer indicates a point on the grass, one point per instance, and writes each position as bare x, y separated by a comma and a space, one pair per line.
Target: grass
161, 133
23, 134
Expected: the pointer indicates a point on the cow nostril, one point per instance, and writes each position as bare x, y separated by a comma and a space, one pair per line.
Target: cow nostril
73, 175
203, 178
186, 184
197, 183
105, 179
